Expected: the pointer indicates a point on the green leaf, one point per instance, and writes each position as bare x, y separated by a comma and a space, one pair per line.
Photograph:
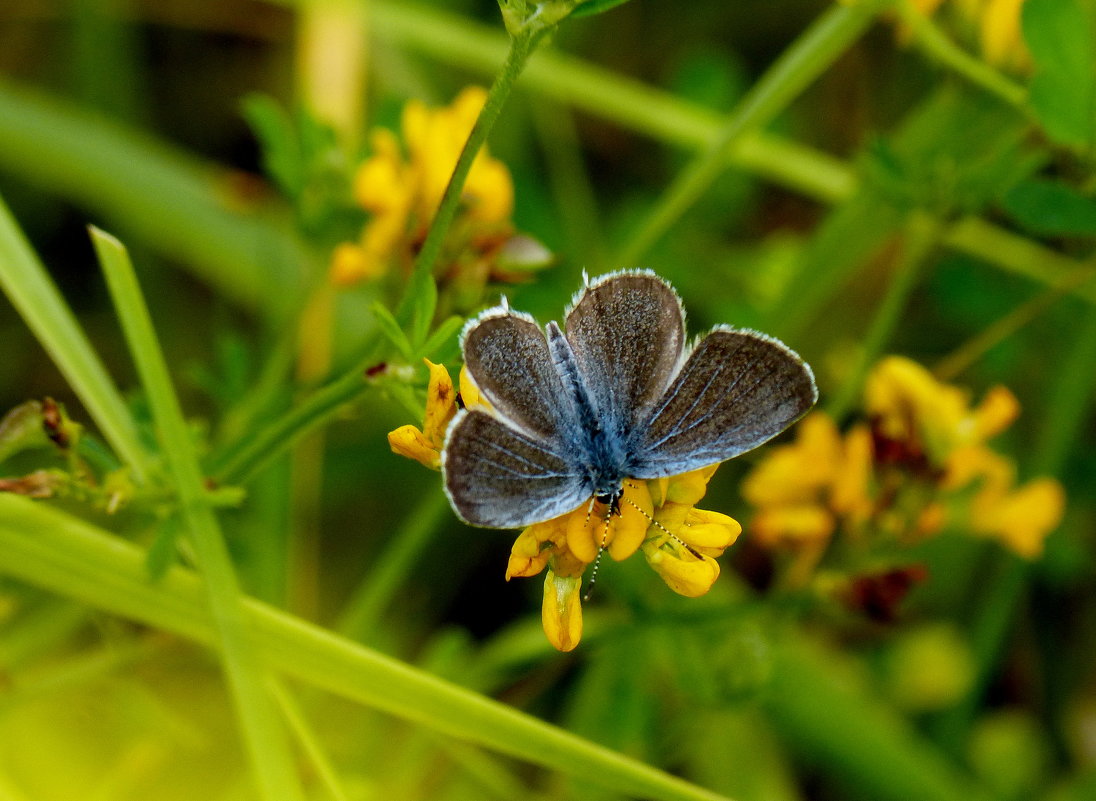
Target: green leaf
391, 329
591, 7
1062, 38
423, 305
1048, 208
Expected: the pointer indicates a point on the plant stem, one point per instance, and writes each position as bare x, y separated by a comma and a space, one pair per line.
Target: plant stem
310, 743
263, 733
974, 348
285, 432
815, 50
930, 39
454, 39
521, 47
922, 235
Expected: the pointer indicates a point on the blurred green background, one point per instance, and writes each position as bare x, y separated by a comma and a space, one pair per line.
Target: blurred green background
130, 116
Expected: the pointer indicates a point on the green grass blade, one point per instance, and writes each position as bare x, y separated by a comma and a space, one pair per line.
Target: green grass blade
262, 729
35, 296
63, 554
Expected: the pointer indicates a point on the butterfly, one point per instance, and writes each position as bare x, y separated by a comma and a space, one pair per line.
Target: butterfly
616, 394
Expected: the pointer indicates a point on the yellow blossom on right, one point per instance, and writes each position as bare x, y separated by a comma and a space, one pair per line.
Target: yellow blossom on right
918, 463
399, 186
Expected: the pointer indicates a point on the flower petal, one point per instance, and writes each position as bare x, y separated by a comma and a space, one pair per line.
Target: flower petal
705, 530
561, 611
682, 571
410, 442
1022, 519
689, 488
629, 528
527, 557
792, 525
441, 404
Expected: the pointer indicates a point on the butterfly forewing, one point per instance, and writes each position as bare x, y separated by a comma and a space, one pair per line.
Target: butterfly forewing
737, 390
508, 358
627, 333
497, 477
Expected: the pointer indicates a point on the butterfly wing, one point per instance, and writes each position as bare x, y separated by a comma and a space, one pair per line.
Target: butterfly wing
507, 355
627, 332
737, 390
517, 465
498, 477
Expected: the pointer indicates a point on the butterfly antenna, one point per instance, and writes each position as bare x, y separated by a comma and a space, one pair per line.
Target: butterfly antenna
600, 550
665, 530
593, 577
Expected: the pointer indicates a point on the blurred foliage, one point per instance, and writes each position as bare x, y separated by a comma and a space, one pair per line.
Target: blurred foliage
932, 194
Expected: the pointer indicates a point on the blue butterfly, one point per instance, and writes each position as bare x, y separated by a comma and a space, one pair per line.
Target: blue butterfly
618, 396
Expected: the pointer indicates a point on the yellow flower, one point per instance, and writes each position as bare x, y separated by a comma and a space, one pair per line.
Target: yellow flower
921, 464
424, 445
929, 419
561, 610
1021, 519
401, 192
658, 517
802, 489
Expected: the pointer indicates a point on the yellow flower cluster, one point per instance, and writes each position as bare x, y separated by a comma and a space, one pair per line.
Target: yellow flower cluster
657, 517
401, 190
998, 25
921, 462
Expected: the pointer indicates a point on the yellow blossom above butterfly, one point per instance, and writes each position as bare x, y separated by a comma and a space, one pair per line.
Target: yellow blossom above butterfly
401, 185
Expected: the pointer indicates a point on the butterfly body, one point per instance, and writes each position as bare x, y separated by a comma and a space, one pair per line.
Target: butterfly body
597, 435
613, 396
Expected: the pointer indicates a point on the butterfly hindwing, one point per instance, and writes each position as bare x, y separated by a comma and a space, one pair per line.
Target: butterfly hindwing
497, 477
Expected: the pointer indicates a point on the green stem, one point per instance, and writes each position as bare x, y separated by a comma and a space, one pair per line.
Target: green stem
521, 47
285, 432
814, 51
922, 235
976, 347
455, 40
35, 296
63, 554
263, 733
933, 42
